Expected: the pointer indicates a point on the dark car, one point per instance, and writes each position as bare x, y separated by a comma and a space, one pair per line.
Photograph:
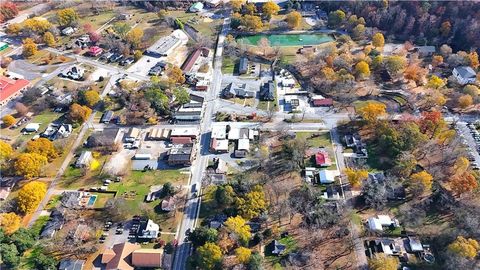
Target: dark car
127, 61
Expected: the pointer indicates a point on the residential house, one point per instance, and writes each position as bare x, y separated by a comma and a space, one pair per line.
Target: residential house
196, 7
132, 135
54, 224
106, 117
67, 31
169, 204
310, 173
108, 137
219, 166
217, 178
185, 132
32, 127
82, 41
181, 154
147, 258
360, 149
147, 230
219, 145
243, 66
202, 85
84, 160
237, 90
71, 199
125, 16
6, 186
57, 131
238, 133
380, 221
424, 51
307, 50
95, 51
327, 176
219, 132
71, 264
10, 89
322, 159
278, 248
74, 73
333, 193
464, 75
243, 145
292, 102
267, 93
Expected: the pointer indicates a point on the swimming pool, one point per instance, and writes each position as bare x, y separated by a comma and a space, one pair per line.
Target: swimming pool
92, 200
284, 40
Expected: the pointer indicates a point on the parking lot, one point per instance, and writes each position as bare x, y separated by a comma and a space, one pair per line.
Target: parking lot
471, 138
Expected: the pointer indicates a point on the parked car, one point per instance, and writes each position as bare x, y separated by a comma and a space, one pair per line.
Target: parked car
127, 61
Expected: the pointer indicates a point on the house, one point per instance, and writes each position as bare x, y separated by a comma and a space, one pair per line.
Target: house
32, 127
185, 132
327, 176
119, 256
464, 75
108, 137
84, 160
196, 7
95, 51
147, 258
132, 135
219, 145
168, 204
320, 101
414, 245
54, 224
322, 159
292, 101
68, 31
106, 117
71, 199
202, 85
125, 16
181, 154
6, 186
278, 248
424, 51
219, 132
333, 193
237, 90
158, 134
57, 131
243, 66
238, 133
377, 223
310, 174
74, 73
147, 230
243, 145
181, 140
10, 89
71, 264
267, 93
307, 50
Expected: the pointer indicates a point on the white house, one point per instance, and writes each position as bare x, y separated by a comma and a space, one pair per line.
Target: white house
464, 75
327, 176
377, 223
32, 127
84, 160
68, 31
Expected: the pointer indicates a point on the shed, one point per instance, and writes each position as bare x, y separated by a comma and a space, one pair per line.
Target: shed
327, 176
32, 127
243, 65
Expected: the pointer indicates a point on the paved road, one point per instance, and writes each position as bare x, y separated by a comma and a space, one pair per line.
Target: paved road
192, 207
464, 131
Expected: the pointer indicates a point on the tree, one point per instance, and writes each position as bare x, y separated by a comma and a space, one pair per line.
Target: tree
415, 73
94, 36
49, 39
21, 108
395, 63
90, 98
252, 22
181, 96
243, 254
44, 262
29, 47
461, 165
420, 182
67, 16
249, 8
445, 28
237, 5
381, 261
10, 256
270, 8
437, 60
435, 82
42, 146
30, 196
377, 62
239, 228
463, 183
335, 18
134, 37
356, 177
167, 190
121, 29
10, 222
224, 195
137, 55
465, 101
375, 194
8, 10
79, 114
255, 262
473, 57
253, 204
175, 75
358, 31
37, 25
209, 256
14, 29
6, 151
465, 247
378, 40
471, 90
117, 209
445, 50
293, 19
372, 111
8, 120
362, 69
203, 235
23, 239
162, 14
29, 165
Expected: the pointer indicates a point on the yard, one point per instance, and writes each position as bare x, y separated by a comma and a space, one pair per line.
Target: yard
318, 140
209, 206
248, 102
206, 26
228, 65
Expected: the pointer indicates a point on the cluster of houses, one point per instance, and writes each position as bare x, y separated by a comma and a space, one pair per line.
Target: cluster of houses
223, 135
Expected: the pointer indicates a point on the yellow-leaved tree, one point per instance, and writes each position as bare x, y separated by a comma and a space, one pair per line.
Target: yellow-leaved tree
209, 256
356, 177
253, 204
381, 261
293, 19
8, 120
6, 151
270, 8
372, 111
243, 254
362, 69
30, 196
421, 182
238, 226
10, 222
44, 147
29, 165
465, 247
378, 40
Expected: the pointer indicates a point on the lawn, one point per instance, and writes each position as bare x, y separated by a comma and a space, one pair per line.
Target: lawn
53, 202
244, 101
291, 246
209, 206
317, 140
97, 20
38, 225
228, 65
75, 178
102, 198
206, 26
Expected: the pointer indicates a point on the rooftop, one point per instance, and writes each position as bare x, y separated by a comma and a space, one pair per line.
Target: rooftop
8, 87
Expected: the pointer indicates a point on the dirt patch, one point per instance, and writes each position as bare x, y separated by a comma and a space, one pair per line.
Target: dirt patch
119, 163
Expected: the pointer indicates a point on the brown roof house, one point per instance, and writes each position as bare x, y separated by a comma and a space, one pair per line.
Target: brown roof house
127, 256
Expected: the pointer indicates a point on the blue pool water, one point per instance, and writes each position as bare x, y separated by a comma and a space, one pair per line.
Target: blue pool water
92, 200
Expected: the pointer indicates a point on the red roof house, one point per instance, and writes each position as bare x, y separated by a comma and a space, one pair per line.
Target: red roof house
322, 159
322, 102
10, 89
181, 140
95, 51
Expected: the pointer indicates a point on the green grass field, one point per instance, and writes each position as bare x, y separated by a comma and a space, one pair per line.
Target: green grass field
228, 65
